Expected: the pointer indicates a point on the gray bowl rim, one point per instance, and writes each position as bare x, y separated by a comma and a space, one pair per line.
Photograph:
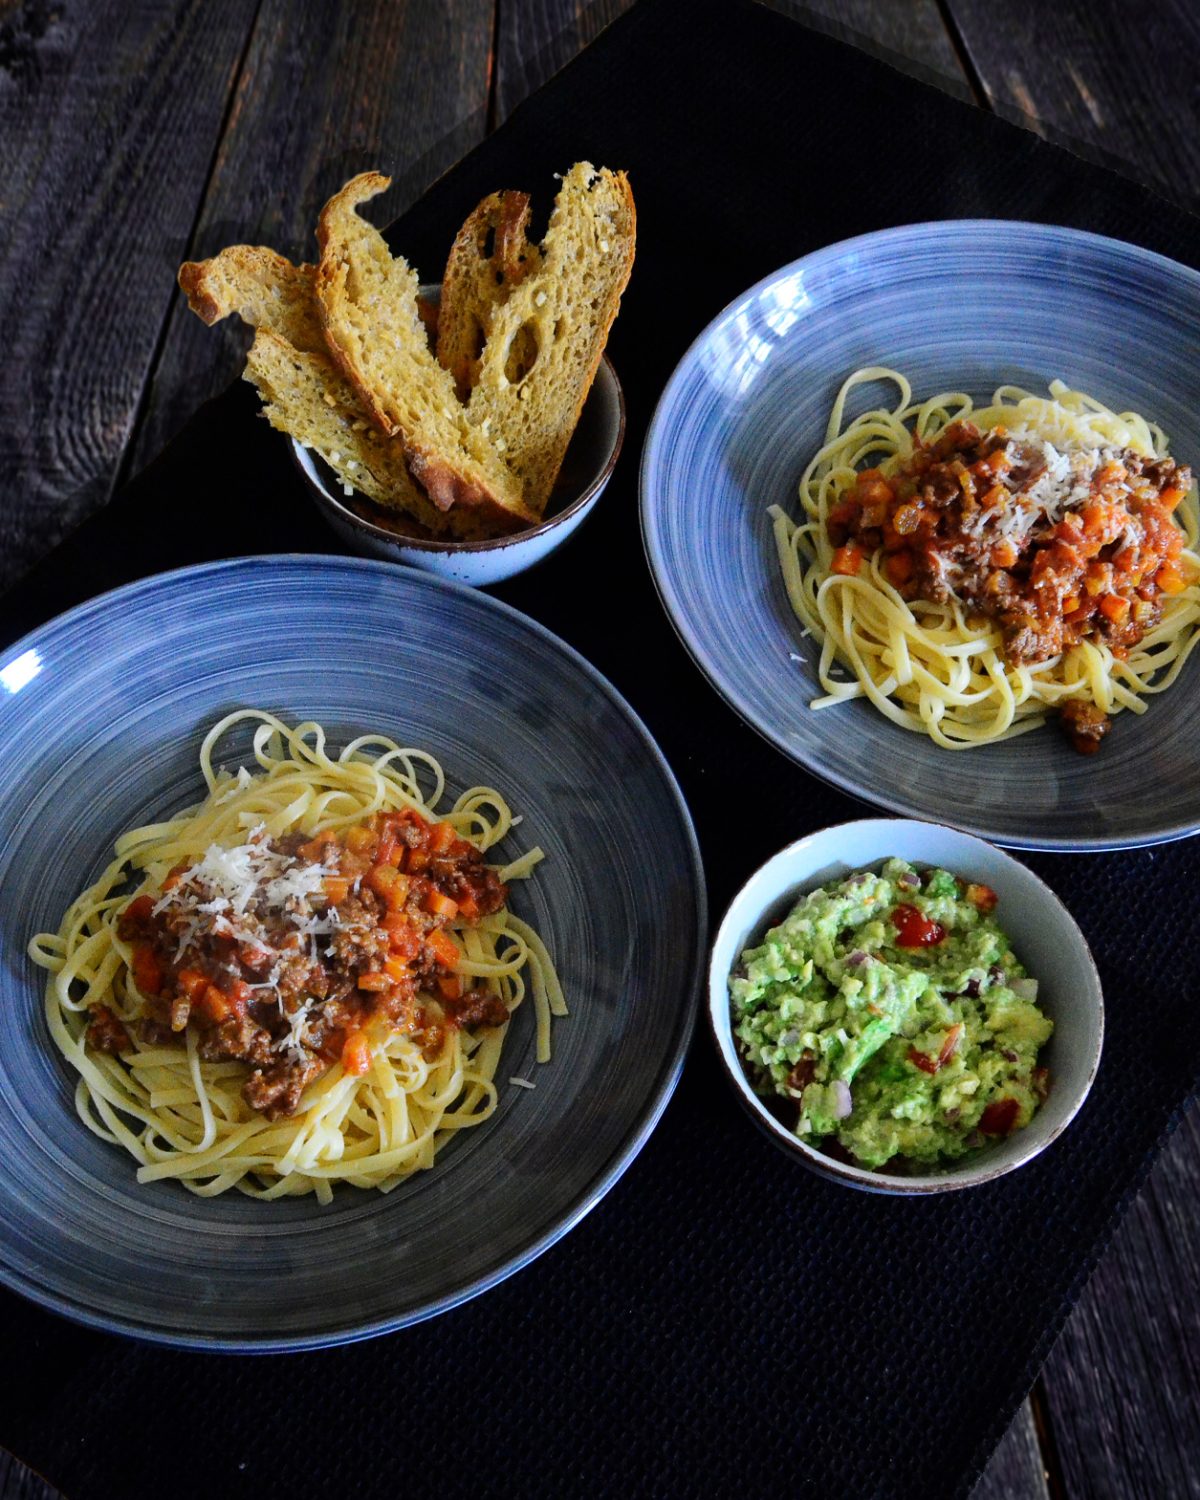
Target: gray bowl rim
924, 229
954, 1179
652, 1110
326, 500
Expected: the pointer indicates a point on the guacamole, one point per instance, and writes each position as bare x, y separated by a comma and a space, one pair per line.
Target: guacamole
892, 1011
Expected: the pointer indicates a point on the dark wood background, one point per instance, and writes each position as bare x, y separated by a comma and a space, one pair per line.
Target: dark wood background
136, 133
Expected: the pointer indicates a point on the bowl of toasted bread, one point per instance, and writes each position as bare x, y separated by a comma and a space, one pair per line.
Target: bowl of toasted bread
467, 428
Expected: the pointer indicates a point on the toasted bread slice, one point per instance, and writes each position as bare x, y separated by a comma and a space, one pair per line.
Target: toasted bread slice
368, 307
490, 256
304, 393
263, 287
305, 396
546, 339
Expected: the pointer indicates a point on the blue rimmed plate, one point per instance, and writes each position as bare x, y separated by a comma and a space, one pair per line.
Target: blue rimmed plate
101, 716
956, 306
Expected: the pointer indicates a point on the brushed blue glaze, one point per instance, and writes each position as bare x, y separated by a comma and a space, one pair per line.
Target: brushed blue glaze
956, 306
101, 716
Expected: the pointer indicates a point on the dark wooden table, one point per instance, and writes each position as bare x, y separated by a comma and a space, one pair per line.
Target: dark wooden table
136, 135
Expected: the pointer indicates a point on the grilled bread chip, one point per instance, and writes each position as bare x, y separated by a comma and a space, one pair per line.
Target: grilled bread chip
305, 394
264, 288
546, 339
490, 256
368, 306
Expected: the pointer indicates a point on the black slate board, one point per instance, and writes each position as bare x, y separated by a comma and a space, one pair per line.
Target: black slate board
722, 1322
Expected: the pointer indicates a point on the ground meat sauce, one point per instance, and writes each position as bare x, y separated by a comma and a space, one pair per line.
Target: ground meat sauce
279, 953
1056, 547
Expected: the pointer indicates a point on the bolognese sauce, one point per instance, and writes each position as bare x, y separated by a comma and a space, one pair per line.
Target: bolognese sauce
1056, 547
280, 952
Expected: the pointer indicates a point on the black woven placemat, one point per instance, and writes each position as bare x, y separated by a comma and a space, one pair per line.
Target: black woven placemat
723, 1322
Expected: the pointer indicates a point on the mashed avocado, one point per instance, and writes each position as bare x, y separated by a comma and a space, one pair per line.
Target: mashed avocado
892, 1011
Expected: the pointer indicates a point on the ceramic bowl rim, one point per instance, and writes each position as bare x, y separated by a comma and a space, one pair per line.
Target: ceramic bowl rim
1027, 232
326, 500
954, 1178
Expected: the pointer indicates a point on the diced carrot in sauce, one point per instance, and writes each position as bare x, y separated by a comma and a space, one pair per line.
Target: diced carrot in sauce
848, 559
404, 940
444, 948
337, 888
214, 1004
438, 905
147, 970
1170, 578
416, 860
192, 983
374, 981
358, 840
238, 993
450, 987
395, 967
356, 1054
441, 836
1114, 608
139, 910
907, 520
316, 844
388, 883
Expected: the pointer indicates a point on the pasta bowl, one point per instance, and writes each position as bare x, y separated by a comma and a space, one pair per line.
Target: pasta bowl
102, 716
1044, 937
962, 306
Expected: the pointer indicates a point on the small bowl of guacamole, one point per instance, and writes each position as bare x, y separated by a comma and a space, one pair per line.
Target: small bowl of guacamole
905, 1007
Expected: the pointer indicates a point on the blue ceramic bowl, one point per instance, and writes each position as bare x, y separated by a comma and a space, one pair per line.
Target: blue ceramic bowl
587, 468
955, 306
101, 716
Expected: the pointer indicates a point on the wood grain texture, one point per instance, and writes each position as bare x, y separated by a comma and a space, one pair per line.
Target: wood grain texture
1123, 1381
1015, 1471
326, 91
110, 113
19, 1483
911, 31
1119, 79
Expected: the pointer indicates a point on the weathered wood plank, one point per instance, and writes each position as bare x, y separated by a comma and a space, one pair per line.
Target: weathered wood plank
109, 113
19, 1483
909, 30
1015, 1471
326, 91
1120, 80
1123, 1381
537, 37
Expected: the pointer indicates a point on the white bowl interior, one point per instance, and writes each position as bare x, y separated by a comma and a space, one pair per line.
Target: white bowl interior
1044, 937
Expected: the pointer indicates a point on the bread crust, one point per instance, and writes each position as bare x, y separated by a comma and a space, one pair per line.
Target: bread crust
562, 313
263, 287
367, 303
